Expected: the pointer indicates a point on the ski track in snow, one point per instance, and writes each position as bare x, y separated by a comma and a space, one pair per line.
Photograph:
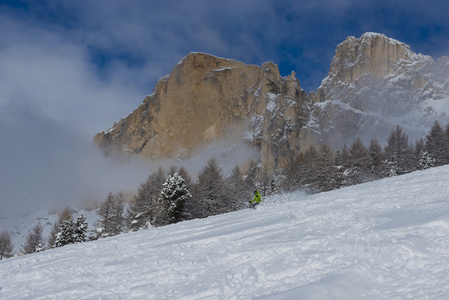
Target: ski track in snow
381, 240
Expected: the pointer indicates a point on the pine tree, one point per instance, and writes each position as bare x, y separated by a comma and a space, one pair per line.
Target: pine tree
65, 215
173, 197
325, 168
65, 235
110, 216
339, 174
273, 186
264, 184
399, 153
290, 174
34, 242
237, 190
211, 191
143, 207
6, 247
420, 148
190, 205
307, 168
376, 162
80, 229
139, 210
72, 232
359, 161
437, 144
105, 215
117, 219
425, 161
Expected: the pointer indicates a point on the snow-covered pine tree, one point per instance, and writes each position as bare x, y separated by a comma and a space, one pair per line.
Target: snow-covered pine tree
71, 232
34, 242
80, 229
425, 161
66, 214
173, 197
190, 205
273, 186
6, 247
66, 234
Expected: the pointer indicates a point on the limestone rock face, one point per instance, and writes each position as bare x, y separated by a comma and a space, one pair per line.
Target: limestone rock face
205, 99
376, 83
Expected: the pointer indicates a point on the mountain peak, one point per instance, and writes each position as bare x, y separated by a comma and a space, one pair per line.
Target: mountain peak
370, 36
372, 53
374, 82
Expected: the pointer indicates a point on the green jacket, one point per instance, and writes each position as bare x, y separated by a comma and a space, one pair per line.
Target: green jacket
257, 198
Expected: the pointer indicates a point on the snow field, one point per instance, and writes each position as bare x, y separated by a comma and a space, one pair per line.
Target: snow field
381, 240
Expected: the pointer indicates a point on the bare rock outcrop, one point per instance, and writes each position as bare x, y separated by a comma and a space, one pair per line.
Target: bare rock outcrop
374, 84
205, 99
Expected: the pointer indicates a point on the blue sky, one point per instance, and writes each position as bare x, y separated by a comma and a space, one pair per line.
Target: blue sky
73, 68
125, 46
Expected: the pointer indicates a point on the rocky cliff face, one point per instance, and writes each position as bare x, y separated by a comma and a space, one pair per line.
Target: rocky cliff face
205, 99
374, 84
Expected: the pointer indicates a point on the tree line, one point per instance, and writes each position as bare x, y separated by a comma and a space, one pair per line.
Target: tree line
171, 197
319, 170
64, 231
164, 198
167, 198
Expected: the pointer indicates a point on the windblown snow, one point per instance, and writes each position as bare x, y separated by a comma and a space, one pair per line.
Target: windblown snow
381, 240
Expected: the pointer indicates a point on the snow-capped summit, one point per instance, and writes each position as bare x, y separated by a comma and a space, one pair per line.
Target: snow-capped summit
376, 83
373, 53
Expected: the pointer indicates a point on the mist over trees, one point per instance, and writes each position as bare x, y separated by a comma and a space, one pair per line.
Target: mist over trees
319, 170
168, 197
313, 170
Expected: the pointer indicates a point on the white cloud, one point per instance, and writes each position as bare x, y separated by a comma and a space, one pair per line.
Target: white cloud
52, 75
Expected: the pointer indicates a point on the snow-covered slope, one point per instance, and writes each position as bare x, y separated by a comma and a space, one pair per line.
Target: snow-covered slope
381, 240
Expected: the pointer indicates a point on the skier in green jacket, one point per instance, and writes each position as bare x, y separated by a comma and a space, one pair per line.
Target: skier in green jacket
256, 200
